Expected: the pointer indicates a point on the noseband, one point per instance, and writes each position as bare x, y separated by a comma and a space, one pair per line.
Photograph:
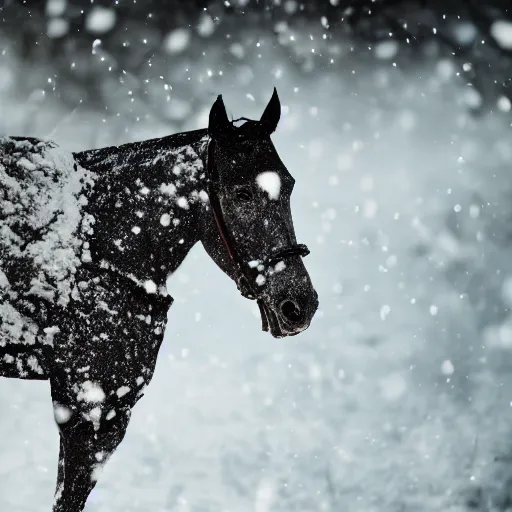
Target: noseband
245, 277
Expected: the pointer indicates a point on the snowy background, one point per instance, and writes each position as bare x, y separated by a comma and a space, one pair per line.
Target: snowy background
398, 397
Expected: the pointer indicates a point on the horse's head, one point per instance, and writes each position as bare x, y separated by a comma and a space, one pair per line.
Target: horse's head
249, 229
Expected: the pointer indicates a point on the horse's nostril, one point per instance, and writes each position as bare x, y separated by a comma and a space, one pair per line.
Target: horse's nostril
291, 312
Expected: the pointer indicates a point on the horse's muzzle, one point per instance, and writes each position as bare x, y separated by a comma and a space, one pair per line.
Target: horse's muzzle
289, 316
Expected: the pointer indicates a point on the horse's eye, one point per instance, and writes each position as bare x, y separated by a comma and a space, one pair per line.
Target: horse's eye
244, 195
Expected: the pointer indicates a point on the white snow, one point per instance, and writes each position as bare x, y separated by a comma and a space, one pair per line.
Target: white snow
100, 20
123, 390
168, 188
34, 201
150, 286
269, 182
182, 203
473, 98
465, 32
91, 392
57, 27
33, 364
205, 27
237, 50
355, 413
4, 282
384, 311
55, 7
97, 471
111, 414
370, 208
501, 31
260, 280
94, 416
504, 104
265, 496
386, 49
279, 266
26, 164
393, 387
447, 367
61, 413
176, 41
165, 219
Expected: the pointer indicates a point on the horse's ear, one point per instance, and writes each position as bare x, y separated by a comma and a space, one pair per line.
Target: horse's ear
272, 114
218, 125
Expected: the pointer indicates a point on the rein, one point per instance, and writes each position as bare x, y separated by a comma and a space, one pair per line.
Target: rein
244, 283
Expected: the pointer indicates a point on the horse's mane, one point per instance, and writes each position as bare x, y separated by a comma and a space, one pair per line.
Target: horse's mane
248, 131
169, 142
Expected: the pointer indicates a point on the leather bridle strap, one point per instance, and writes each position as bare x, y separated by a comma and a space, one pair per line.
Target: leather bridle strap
287, 252
244, 284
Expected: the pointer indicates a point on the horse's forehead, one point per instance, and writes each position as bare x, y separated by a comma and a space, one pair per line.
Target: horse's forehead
251, 157
266, 159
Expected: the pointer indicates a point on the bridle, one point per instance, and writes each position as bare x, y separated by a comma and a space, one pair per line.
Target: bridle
245, 276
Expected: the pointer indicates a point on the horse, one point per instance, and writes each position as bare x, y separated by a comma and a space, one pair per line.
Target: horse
87, 240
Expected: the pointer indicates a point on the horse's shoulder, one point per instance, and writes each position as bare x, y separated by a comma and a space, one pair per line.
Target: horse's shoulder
108, 290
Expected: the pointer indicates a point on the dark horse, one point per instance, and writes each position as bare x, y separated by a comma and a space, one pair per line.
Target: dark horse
87, 241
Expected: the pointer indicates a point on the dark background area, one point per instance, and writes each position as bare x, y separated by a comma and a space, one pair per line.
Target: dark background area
95, 52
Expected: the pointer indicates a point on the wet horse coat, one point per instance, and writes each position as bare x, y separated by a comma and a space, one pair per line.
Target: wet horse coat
94, 329
50, 253
87, 241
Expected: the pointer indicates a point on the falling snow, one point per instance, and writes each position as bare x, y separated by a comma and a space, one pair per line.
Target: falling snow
501, 30
91, 392
269, 182
32, 200
177, 40
100, 20
396, 381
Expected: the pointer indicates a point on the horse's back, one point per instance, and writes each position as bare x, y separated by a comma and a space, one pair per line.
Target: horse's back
41, 201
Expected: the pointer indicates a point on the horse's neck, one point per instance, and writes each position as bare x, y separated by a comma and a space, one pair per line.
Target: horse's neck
146, 205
